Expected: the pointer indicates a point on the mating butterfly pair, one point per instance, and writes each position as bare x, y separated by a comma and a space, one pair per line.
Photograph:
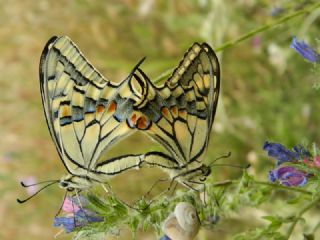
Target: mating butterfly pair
86, 114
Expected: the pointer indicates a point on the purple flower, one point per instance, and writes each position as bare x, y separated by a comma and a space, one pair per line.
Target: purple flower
256, 42
79, 219
305, 50
165, 237
288, 176
67, 223
276, 11
280, 152
75, 216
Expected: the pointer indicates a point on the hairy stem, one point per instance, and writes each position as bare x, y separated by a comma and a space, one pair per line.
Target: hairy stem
272, 185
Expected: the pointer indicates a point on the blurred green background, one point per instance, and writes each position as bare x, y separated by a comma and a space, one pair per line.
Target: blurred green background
266, 92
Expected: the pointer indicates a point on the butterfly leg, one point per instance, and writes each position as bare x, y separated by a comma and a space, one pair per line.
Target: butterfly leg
107, 189
81, 207
60, 208
58, 234
74, 213
153, 186
175, 185
104, 188
204, 190
189, 186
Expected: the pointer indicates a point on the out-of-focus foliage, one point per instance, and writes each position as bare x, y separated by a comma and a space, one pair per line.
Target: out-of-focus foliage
267, 93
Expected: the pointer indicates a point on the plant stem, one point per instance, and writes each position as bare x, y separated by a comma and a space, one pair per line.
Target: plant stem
272, 185
267, 26
298, 217
263, 28
278, 186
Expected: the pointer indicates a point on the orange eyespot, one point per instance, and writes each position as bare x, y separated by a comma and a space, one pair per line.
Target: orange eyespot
134, 119
99, 108
174, 111
65, 111
112, 107
165, 112
142, 123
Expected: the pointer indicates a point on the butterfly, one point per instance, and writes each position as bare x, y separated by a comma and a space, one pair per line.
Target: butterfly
86, 114
181, 113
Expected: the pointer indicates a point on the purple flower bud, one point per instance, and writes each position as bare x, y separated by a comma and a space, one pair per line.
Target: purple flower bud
165, 237
288, 176
280, 152
305, 50
272, 176
276, 11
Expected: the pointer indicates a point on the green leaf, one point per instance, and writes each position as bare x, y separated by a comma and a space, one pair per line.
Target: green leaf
275, 222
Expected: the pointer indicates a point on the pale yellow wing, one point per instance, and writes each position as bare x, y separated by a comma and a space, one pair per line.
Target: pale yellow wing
86, 113
181, 112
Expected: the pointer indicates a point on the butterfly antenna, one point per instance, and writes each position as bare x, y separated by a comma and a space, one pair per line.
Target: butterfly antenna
137, 65
219, 158
38, 183
214, 164
36, 193
232, 165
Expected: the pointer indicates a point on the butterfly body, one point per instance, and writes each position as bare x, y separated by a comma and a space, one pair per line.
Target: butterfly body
192, 174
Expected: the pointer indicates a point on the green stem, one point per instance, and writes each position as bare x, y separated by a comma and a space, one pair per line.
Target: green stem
278, 186
267, 26
272, 185
263, 28
299, 216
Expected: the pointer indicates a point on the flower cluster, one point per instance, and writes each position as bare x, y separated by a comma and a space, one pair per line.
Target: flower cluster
289, 175
75, 215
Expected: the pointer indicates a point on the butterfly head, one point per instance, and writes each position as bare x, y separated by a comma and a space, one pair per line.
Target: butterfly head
205, 172
72, 182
